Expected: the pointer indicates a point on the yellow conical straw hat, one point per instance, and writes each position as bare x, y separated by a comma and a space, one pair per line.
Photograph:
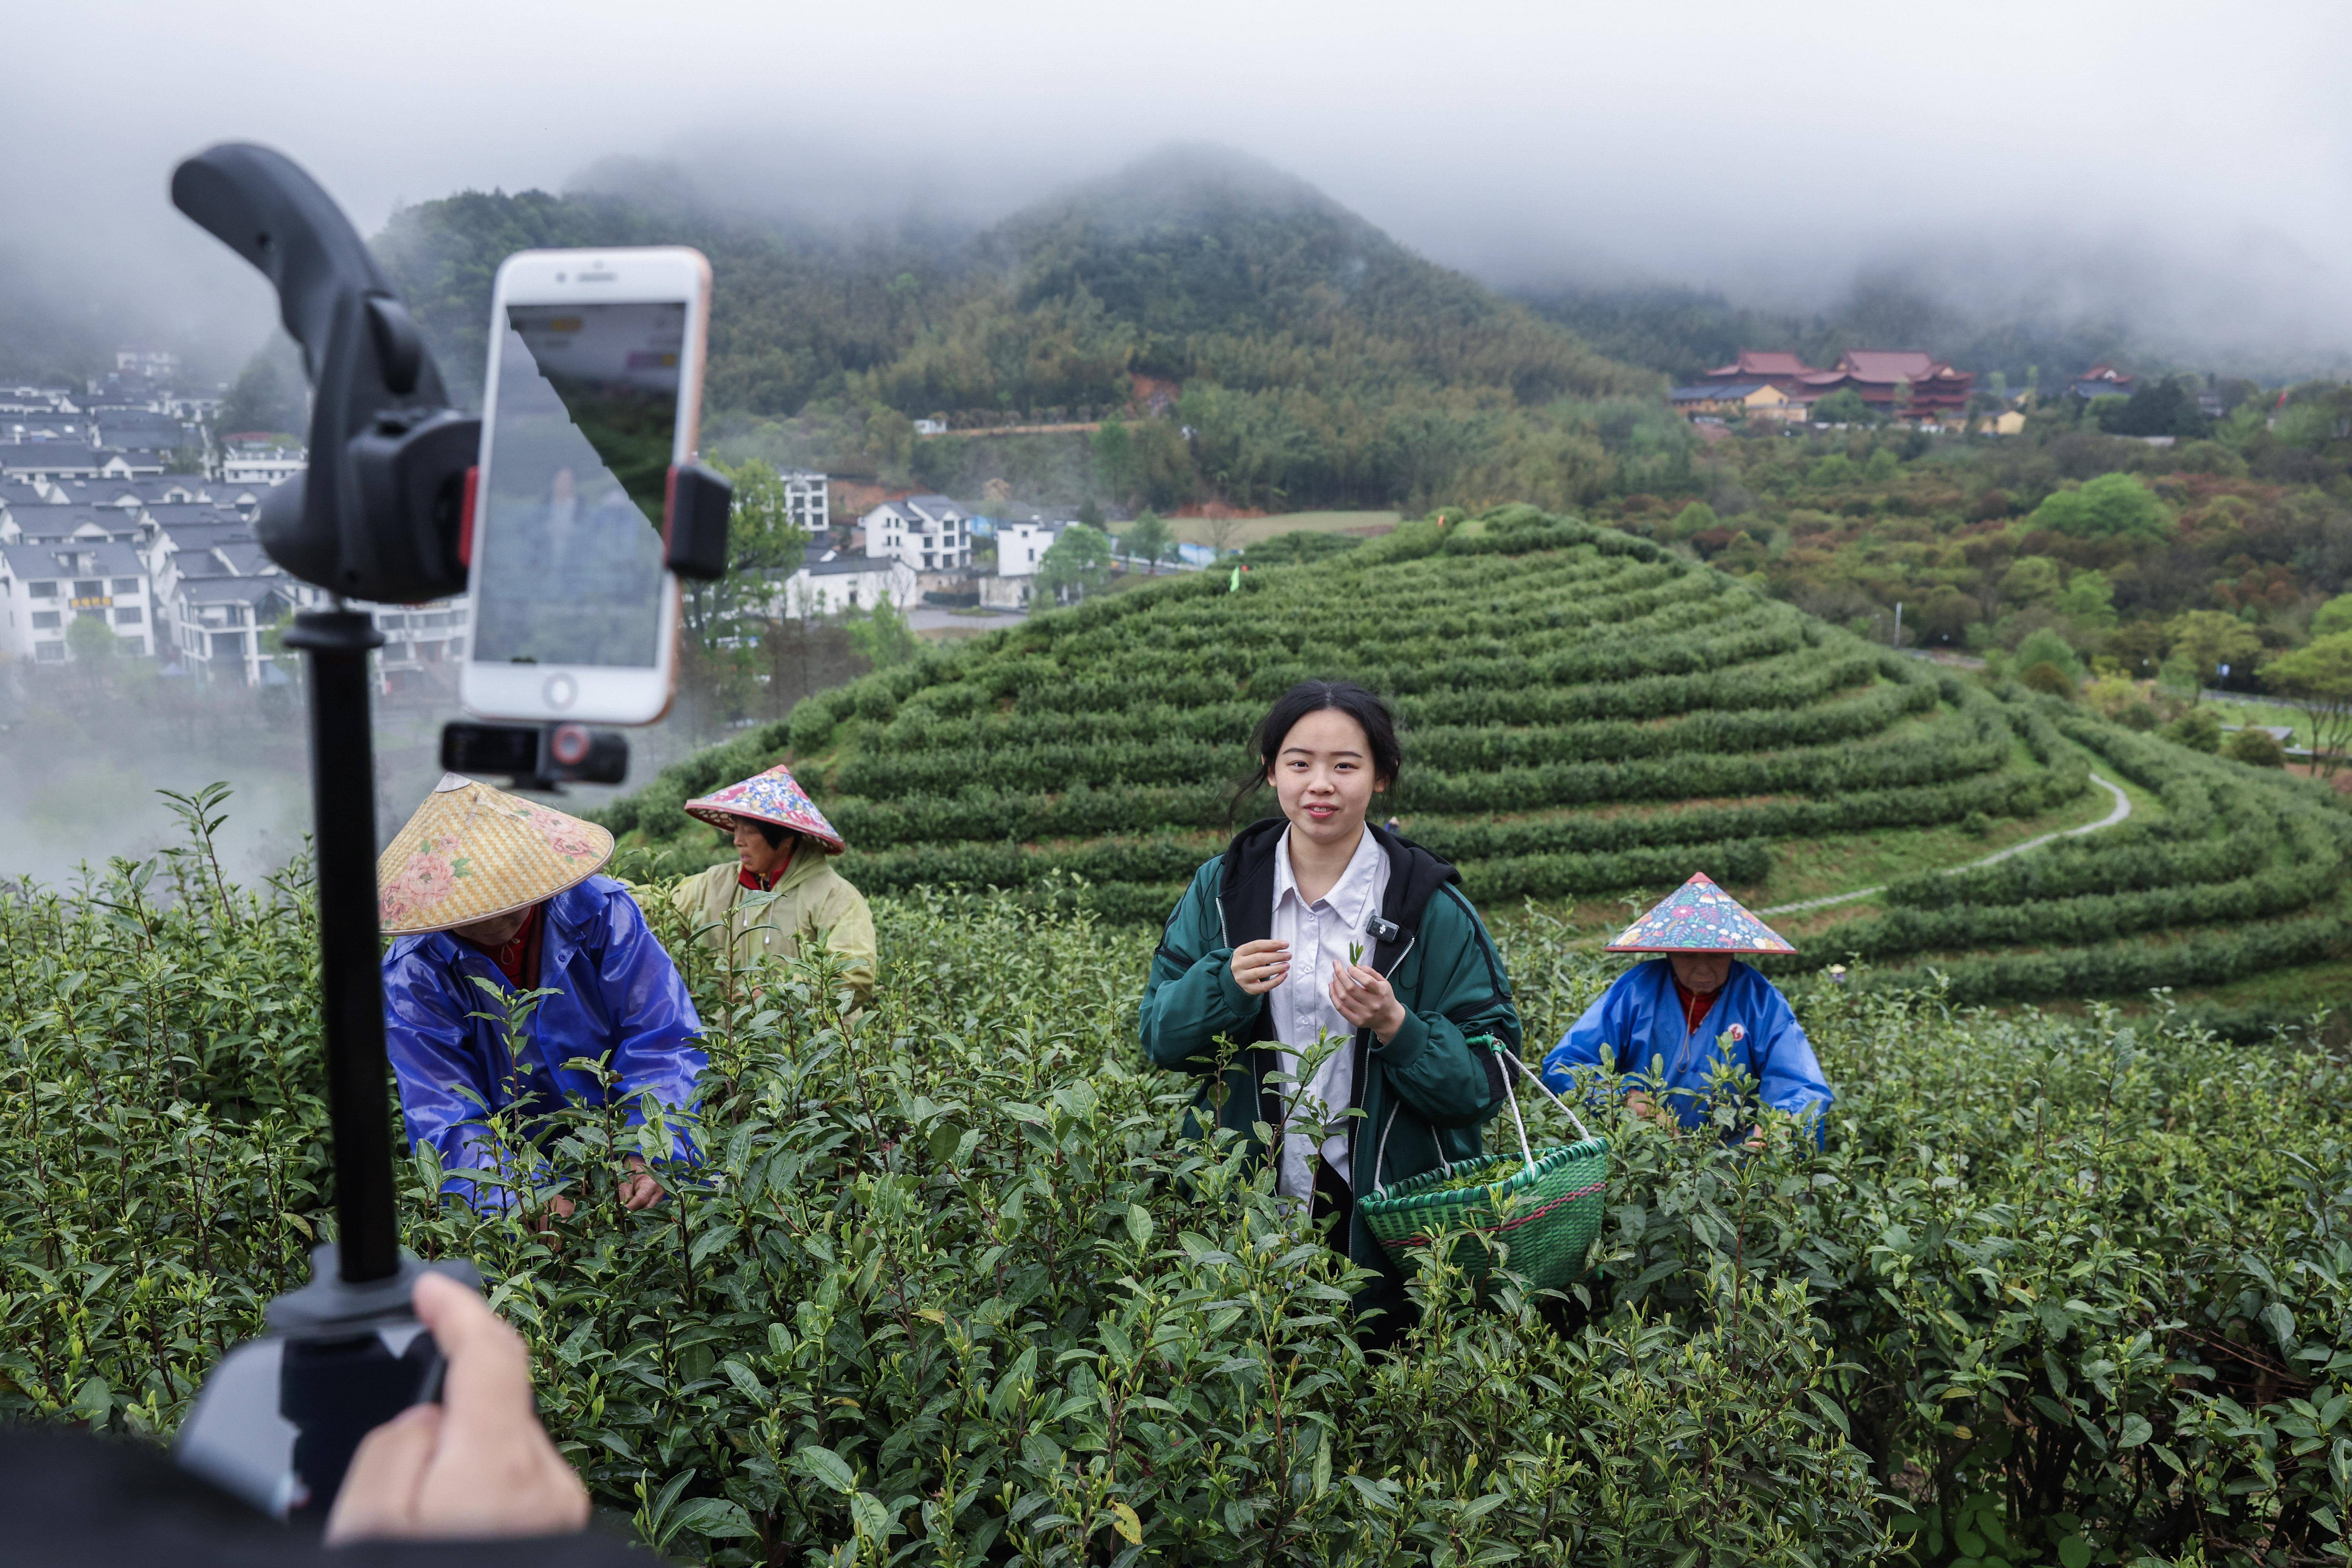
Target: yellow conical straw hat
472, 853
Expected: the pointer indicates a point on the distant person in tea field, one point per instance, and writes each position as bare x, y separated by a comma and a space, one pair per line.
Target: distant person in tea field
1665, 1024
1316, 927
485, 887
781, 889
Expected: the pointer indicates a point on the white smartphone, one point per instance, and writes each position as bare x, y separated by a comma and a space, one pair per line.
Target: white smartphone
594, 393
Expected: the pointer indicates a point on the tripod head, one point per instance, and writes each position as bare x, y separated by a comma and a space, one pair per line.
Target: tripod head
380, 513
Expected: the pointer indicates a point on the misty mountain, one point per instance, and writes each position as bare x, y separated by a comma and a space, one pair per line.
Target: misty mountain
1190, 263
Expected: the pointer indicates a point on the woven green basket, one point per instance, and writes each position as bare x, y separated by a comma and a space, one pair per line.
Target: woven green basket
1544, 1208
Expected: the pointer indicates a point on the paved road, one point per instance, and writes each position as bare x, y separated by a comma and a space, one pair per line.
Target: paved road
931, 618
2122, 809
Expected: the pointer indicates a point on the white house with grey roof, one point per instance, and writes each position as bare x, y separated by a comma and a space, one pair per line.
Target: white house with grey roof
261, 463
929, 533
827, 583
217, 623
74, 460
43, 588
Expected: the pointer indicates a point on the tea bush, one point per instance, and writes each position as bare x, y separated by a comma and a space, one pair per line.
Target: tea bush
953, 1288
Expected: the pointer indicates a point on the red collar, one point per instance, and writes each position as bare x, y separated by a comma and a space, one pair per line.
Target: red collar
517, 959
754, 882
1695, 1007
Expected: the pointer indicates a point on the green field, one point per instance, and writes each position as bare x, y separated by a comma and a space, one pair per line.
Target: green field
1249, 530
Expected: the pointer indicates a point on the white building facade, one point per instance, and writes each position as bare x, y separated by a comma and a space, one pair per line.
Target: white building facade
929, 533
827, 583
264, 466
45, 588
808, 496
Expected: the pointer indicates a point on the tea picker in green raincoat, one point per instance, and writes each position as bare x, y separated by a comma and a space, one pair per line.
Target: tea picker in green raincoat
781, 889
1262, 951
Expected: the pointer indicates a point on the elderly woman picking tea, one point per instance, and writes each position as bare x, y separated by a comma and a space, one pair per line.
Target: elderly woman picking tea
1665, 1025
781, 890
486, 895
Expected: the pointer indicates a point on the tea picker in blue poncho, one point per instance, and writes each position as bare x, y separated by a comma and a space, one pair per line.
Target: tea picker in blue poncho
1694, 1007
485, 895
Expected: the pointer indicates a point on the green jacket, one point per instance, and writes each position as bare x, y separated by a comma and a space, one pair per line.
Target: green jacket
1426, 1090
809, 901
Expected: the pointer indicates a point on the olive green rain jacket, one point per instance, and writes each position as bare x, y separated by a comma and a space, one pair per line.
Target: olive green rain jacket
808, 899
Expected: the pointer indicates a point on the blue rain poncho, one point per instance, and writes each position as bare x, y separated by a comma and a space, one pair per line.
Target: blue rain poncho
1639, 1020
619, 999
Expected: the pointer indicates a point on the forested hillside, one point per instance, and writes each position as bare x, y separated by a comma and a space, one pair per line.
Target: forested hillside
1312, 359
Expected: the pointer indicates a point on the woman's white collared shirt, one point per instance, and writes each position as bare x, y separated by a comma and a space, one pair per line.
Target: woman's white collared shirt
1320, 934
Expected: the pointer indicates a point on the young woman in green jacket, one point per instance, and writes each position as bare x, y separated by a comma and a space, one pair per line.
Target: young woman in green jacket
1318, 925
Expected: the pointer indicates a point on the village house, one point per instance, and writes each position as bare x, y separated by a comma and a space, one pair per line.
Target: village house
1750, 400
39, 461
1019, 546
807, 499
260, 460
929, 533
828, 581
45, 587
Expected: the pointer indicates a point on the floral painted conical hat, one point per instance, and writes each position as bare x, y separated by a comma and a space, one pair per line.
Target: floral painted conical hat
1699, 917
773, 797
472, 853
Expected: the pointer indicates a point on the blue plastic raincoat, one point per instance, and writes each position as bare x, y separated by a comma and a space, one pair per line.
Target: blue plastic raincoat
619, 999
1640, 1019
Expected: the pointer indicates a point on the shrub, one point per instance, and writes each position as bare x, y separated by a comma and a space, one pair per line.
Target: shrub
2045, 677
2197, 730
2254, 747
955, 1286
2112, 506
2043, 645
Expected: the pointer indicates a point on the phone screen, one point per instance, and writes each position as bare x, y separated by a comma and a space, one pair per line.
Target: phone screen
583, 432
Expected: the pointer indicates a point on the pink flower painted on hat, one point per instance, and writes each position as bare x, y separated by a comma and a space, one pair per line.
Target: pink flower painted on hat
425, 880
562, 834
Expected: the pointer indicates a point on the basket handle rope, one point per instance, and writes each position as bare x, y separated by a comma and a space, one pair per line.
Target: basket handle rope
1381, 1153
1536, 1079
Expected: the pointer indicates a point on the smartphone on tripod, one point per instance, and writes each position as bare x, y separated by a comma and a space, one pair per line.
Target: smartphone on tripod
593, 401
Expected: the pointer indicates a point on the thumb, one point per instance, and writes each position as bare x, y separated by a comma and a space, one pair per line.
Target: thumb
380, 1490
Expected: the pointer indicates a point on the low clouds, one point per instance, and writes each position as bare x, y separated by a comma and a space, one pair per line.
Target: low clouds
2190, 160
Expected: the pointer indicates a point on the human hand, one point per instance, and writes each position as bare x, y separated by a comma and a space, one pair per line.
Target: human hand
477, 1465
1259, 966
1639, 1102
1364, 998
638, 1189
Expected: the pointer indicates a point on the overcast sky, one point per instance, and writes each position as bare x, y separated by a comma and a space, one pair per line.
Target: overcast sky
2196, 155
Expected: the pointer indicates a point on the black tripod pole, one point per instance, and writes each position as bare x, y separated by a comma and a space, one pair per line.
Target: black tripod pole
342, 796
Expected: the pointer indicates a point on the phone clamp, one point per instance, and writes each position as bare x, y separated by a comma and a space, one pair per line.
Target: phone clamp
538, 757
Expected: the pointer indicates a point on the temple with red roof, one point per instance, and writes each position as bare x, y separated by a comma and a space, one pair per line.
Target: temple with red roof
1906, 384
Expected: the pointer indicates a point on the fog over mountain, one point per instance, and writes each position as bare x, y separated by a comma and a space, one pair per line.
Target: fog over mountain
2183, 166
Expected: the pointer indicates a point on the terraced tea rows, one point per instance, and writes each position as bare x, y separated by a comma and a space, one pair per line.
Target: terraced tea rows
1585, 715
2240, 872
